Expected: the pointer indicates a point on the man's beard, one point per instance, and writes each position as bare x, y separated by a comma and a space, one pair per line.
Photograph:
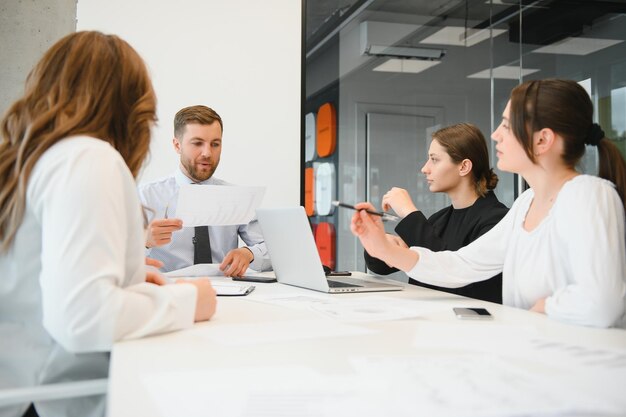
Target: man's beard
196, 175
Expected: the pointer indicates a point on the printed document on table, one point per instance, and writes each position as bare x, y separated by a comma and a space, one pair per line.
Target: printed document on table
371, 386
217, 205
246, 334
376, 309
202, 270
232, 289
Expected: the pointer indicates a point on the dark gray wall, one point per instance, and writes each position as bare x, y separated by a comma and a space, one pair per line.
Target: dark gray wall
27, 29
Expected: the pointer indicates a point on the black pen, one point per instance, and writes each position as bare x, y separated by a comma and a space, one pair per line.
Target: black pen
385, 216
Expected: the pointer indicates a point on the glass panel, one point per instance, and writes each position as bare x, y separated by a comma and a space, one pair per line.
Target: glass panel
585, 42
397, 146
396, 69
616, 128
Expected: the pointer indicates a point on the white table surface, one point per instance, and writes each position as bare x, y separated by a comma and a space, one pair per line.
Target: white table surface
135, 364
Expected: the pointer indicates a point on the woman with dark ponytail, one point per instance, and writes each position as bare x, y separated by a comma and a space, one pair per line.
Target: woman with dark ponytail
561, 246
458, 165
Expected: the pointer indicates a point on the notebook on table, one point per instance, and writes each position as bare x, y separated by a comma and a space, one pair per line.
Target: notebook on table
294, 256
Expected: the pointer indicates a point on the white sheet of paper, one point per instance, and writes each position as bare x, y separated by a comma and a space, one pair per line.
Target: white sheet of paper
471, 384
484, 336
201, 270
596, 371
577, 355
198, 270
231, 289
276, 332
217, 205
465, 385
355, 310
376, 309
258, 391
292, 301
576, 367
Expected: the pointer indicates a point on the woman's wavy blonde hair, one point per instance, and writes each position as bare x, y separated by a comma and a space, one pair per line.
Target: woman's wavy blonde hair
88, 83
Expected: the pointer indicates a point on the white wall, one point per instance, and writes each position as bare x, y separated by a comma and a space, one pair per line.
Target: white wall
240, 57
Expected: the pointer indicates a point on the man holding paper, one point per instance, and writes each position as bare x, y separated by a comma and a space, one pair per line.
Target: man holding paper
198, 141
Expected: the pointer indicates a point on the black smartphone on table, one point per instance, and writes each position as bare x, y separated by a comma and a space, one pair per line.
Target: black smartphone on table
330, 273
472, 313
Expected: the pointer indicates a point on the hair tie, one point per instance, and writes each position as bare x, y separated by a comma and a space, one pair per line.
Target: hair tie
595, 135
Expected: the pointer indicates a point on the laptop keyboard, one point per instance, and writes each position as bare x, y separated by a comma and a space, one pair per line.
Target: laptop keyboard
337, 284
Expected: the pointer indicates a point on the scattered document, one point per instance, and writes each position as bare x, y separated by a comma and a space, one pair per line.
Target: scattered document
487, 336
578, 356
232, 289
198, 270
277, 331
520, 341
599, 372
459, 385
293, 301
468, 385
581, 368
217, 205
274, 391
376, 309
357, 309
202, 270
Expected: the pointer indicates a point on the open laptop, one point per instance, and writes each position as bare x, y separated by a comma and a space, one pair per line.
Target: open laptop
295, 259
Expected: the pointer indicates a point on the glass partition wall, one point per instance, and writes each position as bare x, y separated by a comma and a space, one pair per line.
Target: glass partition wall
382, 75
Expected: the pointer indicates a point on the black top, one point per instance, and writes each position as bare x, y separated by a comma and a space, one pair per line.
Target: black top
451, 229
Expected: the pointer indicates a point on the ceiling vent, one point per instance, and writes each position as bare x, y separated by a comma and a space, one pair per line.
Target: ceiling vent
384, 39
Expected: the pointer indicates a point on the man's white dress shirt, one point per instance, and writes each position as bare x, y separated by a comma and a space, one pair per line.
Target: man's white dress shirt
162, 195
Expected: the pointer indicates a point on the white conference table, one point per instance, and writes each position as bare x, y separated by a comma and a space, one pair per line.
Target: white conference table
272, 354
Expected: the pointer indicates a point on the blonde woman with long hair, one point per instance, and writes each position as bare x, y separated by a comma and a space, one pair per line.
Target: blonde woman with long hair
72, 273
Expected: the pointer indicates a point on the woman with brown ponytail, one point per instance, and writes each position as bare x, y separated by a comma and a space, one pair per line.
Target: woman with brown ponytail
458, 165
561, 246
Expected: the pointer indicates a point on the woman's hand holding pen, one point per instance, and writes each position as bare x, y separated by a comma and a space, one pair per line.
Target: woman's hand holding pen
160, 231
400, 201
370, 231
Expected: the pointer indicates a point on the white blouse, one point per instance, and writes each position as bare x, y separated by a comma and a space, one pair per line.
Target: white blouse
575, 257
73, 281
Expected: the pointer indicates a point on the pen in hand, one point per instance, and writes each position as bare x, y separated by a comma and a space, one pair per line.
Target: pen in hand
384, 216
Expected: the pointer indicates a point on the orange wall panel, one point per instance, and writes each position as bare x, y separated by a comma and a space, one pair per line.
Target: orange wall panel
326, 130
325, 241
309, 192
